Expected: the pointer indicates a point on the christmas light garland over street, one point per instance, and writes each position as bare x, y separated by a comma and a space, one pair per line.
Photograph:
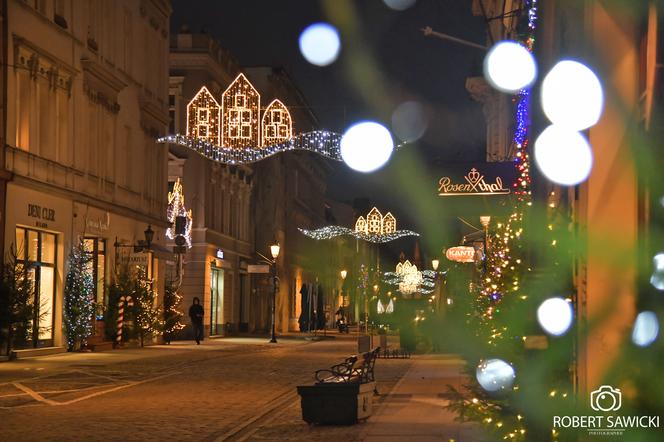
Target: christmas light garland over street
330, 232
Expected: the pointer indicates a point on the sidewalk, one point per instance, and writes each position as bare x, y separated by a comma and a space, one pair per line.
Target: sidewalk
414, 411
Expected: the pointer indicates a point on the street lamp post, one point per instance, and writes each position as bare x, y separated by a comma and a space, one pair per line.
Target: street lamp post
274, 250
434, 265
343, 274
140, 246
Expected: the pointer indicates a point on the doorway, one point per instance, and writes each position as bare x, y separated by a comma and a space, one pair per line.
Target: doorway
216, 301
36, 250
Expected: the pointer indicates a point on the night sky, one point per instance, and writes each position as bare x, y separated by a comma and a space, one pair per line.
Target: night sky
384, 60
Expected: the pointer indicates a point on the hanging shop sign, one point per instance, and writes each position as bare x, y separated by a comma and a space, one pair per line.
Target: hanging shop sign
461, 254
258, 268
484, 179
220, 254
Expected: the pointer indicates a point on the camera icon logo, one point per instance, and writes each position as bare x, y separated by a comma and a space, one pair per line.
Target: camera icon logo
606, 398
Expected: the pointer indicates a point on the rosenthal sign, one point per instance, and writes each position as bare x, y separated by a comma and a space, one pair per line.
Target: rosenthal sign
475, 184
461, 254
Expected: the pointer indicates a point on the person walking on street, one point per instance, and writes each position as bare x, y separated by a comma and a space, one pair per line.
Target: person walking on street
196, 314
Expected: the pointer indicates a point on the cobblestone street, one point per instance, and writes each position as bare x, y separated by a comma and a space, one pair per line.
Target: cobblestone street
233, 389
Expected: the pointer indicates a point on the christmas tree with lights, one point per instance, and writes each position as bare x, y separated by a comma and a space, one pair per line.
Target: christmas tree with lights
148, 315
79, 298
172, 315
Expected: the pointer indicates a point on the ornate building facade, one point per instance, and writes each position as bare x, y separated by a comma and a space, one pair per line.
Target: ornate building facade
84, 105
203, 103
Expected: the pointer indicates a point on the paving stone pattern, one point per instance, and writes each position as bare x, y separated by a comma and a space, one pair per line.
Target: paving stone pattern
182, 393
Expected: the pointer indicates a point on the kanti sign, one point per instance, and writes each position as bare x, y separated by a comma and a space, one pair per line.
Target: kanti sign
461, 254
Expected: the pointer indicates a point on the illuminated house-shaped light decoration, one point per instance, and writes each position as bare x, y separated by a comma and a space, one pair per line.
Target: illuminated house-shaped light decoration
361, 225
411, 278
374, 222
389, 224
203, 117
240, 114
277, 124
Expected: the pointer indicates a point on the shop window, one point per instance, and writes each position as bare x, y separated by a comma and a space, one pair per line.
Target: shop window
36, 250
96, 249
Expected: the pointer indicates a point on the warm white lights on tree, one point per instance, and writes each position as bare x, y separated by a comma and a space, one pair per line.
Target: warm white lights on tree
555, 316
495, 375
320, 44
366, 146
509, 67
572, 95
646, 329
563, 155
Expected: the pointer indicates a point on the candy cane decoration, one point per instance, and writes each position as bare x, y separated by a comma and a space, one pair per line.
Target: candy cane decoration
121, 303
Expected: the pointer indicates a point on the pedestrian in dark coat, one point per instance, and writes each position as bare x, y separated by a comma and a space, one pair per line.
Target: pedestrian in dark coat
196, 314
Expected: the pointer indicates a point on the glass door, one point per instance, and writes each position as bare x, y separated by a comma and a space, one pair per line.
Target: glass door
216, 301
37, 251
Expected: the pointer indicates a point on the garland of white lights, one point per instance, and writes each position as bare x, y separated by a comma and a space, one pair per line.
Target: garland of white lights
330, 232
425, 287
321, 142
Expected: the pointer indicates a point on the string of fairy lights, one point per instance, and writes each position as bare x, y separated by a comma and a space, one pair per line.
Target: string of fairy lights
502, 276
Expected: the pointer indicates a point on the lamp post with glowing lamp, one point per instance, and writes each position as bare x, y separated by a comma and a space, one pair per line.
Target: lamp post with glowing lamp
343, 274
274, 250
434, 266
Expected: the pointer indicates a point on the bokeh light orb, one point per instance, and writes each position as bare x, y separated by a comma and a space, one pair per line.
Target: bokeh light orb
646, 329
555, 316
409, 121
399, 5
495, 375
657, 277
572, 95
320, 44
509, 67
366, 146
563, 155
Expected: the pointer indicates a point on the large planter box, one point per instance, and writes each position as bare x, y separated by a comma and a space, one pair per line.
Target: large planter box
336, 403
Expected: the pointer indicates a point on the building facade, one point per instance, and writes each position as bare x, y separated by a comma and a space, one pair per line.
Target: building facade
85, 103
615, 214
289, 193
215, 267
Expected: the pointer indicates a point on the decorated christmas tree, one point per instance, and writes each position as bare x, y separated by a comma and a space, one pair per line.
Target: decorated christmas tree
79, 298
148, 315
172, 315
